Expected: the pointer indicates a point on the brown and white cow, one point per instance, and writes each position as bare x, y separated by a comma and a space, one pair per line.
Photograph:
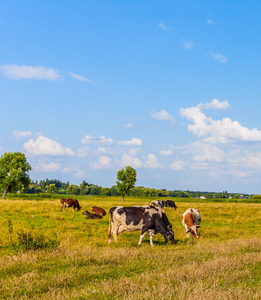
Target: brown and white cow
152, 220
191, 220
70, 203
99, 211
91, 216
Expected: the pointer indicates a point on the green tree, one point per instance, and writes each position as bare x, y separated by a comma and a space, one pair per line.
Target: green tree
73, 189
84, 188
14, 170
125, 180
51, 188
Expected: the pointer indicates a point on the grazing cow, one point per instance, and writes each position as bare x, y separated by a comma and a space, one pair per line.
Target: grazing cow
99, 211
157, 203
70, 203
169, 203
91, 216
191, 220
152, 220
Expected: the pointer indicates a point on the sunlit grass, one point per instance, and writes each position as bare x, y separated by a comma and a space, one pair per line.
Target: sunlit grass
224, 263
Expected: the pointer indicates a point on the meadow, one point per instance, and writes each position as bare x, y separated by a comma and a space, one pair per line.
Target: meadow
224, 263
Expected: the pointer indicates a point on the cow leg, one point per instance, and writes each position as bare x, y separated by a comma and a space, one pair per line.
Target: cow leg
141, 238
187, 231
115, 229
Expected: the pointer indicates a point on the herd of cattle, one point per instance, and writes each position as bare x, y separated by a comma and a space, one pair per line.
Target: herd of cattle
150, 219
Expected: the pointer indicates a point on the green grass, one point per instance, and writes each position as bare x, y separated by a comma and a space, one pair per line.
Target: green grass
224, 263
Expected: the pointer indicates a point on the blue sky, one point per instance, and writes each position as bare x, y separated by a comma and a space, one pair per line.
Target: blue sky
171, 88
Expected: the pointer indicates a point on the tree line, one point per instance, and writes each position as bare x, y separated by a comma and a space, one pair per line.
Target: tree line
14, 177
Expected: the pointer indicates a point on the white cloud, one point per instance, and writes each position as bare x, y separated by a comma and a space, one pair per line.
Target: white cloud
88, 139
69, 169
224, 130
162, 115
205, 152
79, 77
129, 125
164, 27
101, 149
132, 142
79, 174
215, 104
188, 44
104, 162
178, 165
166, 152
46, 146
152, 162
218, 57
21, 134
29, 72
129, 160
51, 167
134, 151
82, 152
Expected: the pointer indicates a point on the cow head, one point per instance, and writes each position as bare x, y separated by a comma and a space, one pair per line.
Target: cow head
193, 230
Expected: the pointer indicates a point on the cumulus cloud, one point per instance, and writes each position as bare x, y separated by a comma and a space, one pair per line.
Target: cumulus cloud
129, 160
104, 162
21, 134
132, 142
162, 116
82, 152
46, 146
203, 151
218, 57
129, 125
178, 165
188, 44
79, 77
88, 139
28, 72
50, 167
152, 162
164, 27
224, 130
215, 104
79, 174
166, 152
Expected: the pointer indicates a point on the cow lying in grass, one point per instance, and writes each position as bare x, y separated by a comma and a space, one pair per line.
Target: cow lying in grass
99, 211
147, 219
91, 216
70, 203
191, 220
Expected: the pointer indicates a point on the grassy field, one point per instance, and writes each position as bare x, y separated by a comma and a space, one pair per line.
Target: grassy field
224, 263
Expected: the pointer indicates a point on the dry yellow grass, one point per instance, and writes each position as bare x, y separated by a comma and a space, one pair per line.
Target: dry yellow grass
224, 263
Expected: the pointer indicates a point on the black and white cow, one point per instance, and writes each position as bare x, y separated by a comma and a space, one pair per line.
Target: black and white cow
163, 203
157, 203
169, 203
147, 219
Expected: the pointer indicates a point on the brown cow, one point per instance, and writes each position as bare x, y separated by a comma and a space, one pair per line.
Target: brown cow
91, 216
191, 220
70, 203
99, 211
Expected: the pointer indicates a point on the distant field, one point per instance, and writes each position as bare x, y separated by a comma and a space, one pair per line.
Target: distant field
224, 263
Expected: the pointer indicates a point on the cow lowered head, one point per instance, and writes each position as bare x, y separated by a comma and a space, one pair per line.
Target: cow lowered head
147, 219
191, 220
